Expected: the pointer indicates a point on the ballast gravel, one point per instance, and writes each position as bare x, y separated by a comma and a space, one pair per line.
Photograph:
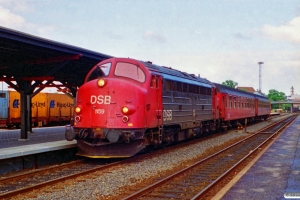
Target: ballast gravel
106, 185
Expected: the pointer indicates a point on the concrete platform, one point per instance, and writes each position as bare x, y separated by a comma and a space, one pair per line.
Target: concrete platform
276, 174
39, 141
45, 146
25, 150
11, 138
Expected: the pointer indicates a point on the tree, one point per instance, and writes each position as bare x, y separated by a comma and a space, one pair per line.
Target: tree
230, 83
275, 95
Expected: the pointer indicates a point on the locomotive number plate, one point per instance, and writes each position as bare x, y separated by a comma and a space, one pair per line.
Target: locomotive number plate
99, 111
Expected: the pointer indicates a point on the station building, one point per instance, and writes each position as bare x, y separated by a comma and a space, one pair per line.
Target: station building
296, 99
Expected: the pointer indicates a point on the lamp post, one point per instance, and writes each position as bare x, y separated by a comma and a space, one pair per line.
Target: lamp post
260, 63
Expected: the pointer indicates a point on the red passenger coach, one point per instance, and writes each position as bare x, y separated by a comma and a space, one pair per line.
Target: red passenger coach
237, 105
262, 107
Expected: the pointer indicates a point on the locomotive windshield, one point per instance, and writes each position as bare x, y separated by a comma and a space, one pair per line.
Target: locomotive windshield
131, 71
99, 71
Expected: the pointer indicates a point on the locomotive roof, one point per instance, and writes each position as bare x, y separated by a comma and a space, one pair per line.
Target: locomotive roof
232, 91
176, 75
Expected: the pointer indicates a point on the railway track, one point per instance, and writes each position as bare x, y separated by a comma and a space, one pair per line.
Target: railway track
32, 181
193, 182
22, 183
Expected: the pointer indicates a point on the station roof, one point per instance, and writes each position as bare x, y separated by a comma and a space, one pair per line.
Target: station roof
30, 58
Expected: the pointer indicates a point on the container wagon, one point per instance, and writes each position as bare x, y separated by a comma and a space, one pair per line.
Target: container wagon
46, 109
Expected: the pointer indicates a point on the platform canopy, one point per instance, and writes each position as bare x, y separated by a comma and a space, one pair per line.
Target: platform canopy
31, 59
29, 64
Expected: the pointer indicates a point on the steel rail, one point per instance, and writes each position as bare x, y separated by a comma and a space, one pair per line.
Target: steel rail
197, 196
74, 175
54, 181
38, 171
150, 188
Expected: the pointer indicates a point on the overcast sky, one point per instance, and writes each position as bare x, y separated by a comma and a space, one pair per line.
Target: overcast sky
220, 40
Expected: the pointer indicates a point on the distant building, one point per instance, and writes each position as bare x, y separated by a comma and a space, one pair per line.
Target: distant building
246, 89
251, 90
295, 98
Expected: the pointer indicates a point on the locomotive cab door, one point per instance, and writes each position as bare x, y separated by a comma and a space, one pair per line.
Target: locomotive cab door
159, 111
154, 102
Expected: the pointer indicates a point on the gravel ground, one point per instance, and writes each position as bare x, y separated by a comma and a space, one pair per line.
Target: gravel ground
106, 185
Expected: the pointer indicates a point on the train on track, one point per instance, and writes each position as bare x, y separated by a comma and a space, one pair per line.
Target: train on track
125, 106
46, 109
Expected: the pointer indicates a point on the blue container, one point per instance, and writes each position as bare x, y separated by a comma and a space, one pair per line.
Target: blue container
3, 104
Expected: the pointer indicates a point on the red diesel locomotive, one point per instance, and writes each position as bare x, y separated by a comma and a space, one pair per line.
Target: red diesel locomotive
126, 105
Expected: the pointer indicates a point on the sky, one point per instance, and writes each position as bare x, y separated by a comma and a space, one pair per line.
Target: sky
220, 40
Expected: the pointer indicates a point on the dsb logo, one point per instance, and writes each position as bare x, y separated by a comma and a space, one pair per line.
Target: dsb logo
100, 99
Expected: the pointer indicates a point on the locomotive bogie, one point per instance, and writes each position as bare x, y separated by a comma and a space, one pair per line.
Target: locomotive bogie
111, 150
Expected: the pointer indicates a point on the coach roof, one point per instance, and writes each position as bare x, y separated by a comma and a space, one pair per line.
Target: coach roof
232, 91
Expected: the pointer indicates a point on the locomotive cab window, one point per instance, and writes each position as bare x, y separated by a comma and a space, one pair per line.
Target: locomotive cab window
131, 71
99, 71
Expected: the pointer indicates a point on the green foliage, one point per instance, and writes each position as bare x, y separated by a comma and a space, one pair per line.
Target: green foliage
287, 106
274, 95
230, 83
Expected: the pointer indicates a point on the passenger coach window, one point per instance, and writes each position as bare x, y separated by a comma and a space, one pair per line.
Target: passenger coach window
234, 99
99, 71
130, 71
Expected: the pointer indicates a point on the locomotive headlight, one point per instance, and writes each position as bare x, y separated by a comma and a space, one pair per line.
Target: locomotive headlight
101, 82
125, 110
128, 109
77, 109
